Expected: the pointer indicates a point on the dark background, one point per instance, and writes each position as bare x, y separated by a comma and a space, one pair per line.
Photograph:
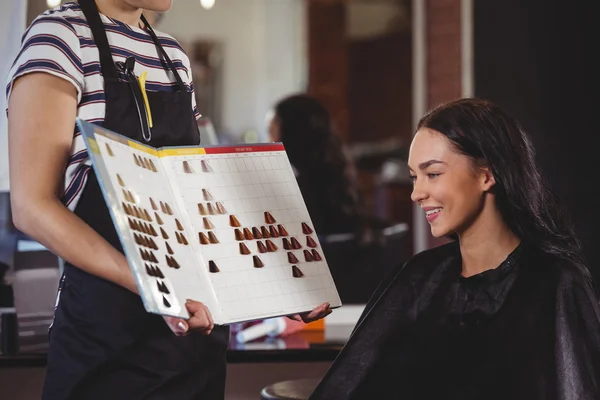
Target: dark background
534, 58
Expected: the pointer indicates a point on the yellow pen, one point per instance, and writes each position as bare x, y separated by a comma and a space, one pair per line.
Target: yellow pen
142, 82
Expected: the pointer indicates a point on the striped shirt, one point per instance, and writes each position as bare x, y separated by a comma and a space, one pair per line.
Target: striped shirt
59, 42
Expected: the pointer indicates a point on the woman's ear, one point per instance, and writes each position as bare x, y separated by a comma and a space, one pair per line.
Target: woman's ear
487, 179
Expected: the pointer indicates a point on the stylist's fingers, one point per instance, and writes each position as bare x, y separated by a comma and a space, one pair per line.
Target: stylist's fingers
317, 313
200, 317
179, 326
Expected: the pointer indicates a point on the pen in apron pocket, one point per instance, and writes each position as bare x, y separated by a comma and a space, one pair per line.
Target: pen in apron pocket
142, 82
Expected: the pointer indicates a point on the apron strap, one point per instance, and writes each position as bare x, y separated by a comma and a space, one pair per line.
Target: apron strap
164, 53
107, 65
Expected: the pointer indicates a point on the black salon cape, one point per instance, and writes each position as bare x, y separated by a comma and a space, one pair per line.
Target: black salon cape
529, 329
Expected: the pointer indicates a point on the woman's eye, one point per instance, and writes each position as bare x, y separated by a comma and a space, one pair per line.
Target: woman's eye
412, 178
432, 175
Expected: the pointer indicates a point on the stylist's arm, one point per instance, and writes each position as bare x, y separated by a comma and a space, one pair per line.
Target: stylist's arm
42, 109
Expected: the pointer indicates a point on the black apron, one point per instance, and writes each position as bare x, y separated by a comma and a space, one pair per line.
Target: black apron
103, 343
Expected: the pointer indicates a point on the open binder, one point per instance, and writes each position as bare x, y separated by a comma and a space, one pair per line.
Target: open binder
224, 225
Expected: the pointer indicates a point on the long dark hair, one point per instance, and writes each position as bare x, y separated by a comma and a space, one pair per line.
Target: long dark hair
317, 153
488, 135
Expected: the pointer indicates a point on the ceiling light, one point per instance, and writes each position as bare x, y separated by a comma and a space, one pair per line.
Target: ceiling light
207, 4
53, 3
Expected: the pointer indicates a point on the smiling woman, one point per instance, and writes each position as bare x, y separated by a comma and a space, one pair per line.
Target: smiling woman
452, 191
506, 311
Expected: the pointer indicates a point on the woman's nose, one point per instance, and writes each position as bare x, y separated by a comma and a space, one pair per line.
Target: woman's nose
418, 194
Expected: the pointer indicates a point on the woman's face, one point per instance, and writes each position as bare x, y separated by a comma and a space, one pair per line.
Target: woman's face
152, 5
446, 186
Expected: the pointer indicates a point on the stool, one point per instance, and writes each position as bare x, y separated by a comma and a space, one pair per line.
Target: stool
296, 389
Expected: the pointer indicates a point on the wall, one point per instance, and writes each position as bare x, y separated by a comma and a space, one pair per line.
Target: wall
443, 51
12, 25
537, 63
379, 69
328, 59
380, 89
438, 74
263, 42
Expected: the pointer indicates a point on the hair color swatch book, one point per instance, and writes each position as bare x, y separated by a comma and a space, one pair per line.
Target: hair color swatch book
224, 225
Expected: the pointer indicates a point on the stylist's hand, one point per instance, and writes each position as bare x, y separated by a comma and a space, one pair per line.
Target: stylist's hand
200, 320
317, 313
